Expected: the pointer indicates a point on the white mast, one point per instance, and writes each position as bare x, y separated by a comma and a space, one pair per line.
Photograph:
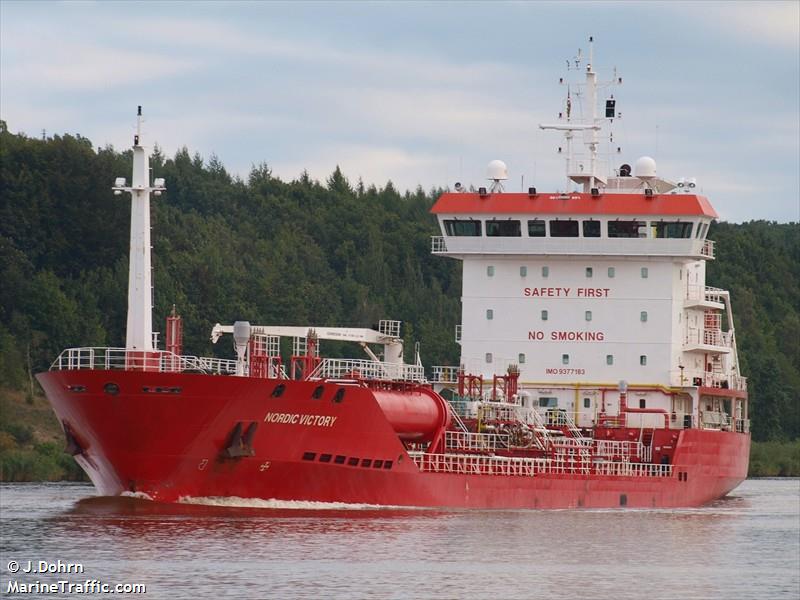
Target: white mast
577, 171
139, 335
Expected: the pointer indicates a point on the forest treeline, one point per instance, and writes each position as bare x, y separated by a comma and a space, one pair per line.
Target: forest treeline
299, 252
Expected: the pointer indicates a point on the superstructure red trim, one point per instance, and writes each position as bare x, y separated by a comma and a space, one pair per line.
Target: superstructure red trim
677, 205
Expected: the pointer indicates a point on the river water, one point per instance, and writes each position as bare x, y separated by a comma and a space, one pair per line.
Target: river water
744, 546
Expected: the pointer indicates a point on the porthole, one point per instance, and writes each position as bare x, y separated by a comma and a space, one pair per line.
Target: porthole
112, 389
318, 391
278, 391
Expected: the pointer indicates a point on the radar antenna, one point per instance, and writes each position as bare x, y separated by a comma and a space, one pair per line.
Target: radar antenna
585, 171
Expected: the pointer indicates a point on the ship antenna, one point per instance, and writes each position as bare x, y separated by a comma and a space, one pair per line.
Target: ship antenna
585, 172
139, 332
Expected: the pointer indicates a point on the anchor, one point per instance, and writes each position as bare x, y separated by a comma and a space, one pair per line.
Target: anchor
240, 445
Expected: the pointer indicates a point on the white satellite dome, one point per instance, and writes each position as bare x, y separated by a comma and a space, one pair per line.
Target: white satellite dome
497, 170
644, 168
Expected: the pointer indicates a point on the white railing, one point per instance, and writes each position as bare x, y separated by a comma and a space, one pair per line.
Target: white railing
710, 419
709, 379
530, 467
352, 368
123, 359
707, 337
438, 244
480, 442
705, 293
444, 374
707, 249
618, 451
604, 246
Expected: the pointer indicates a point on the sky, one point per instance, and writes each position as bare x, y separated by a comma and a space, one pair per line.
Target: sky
422, 94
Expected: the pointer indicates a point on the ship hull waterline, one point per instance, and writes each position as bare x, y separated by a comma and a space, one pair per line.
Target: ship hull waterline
168, 442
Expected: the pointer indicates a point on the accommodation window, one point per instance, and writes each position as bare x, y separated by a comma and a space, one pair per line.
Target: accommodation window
523, 271
625, 229
591, 229
589, 271
488, 357
643, 360
544, 315
609, 359
536, 228
588, 315
490, 271
642, 403
611, 272
645, 272
548, 402
563, 229
643, 316
503, 229
565, 359
489, 314
587, 403
462, 228
545, 271
521, 359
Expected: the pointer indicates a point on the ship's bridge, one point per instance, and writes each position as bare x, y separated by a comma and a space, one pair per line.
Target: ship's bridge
597, 224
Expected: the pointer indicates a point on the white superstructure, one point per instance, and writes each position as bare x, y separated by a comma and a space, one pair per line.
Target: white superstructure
591, 291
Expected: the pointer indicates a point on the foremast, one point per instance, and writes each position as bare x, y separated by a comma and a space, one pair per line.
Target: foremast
139, 331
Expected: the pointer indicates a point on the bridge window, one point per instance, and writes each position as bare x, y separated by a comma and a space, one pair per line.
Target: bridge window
503, 229
563, 229
591, 229
626, 229
675, 229
536, 228
462, 228
548, 402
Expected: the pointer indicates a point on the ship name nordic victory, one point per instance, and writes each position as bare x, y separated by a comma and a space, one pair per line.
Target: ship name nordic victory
597, 369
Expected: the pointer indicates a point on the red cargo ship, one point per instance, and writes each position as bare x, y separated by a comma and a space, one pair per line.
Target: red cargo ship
594, 372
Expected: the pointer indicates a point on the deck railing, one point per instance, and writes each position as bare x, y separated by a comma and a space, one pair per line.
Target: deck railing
476, 442
123, 359
531, 467
352, 368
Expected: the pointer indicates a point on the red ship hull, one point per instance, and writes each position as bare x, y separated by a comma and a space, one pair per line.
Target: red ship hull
169, 442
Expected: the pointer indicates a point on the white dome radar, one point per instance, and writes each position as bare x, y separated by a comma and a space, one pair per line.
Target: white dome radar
644, 168
496, 172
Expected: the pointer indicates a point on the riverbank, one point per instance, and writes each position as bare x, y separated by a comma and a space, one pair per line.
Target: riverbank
31, 445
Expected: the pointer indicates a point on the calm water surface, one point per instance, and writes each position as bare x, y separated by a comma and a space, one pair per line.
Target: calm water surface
744, 546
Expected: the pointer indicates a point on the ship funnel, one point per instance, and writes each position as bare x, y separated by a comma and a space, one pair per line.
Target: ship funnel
241, 337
